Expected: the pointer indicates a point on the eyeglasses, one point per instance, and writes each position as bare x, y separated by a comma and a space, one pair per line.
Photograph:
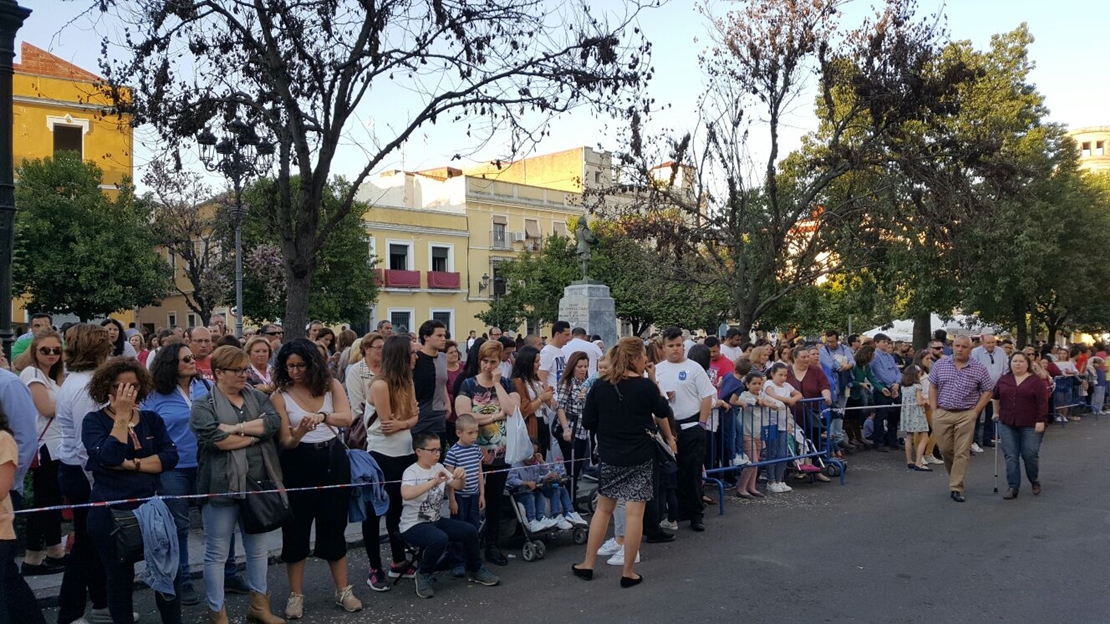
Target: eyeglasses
430, 450
378, 347
235, 371
301, 366
201, 340
189, 359
50, 350
274, 333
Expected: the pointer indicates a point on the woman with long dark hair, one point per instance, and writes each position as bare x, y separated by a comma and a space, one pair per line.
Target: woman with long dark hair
118, 338
571, 400
864, 383
86, 347
490, 399
45, 550
536, 400
128, 450
390, 413
176, 386
622, 408
313, 407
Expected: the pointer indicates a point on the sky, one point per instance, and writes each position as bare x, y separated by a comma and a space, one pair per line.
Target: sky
1068, 52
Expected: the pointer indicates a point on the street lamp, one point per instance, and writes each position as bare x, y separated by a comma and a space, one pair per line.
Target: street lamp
12, 17
237, 155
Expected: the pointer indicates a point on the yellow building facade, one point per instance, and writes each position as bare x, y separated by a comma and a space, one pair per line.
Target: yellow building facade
439, 235
1094, 148
58, 107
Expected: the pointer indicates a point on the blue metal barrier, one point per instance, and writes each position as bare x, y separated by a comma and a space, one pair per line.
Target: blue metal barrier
811, 416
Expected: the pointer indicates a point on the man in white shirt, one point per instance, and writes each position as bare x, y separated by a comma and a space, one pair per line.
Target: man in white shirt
989, 355
691, 395
687, 342
730, 346
552, 358
579, 342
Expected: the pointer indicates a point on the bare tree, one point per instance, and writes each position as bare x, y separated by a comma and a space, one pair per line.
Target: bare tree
303, 71
184, 221
767, 229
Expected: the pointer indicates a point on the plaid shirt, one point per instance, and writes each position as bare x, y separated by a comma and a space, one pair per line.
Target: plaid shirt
959, 389
572, 400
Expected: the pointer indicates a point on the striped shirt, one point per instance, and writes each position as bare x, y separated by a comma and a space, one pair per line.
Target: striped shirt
469, 458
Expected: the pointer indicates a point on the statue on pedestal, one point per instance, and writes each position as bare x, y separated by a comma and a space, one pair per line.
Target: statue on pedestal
586, 241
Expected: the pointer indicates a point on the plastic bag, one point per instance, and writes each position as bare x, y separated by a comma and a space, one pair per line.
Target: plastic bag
517, 445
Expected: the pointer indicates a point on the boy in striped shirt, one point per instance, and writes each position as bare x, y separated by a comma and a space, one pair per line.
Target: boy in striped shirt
469, 501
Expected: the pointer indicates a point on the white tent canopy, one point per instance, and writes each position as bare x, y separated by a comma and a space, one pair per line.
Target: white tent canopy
960, 325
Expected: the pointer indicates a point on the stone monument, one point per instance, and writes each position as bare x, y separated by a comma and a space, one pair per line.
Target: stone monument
587, 303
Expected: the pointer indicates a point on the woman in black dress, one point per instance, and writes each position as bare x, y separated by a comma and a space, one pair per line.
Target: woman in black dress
622, 409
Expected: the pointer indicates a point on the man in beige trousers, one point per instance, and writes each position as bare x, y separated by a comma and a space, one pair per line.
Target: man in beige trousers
961, 388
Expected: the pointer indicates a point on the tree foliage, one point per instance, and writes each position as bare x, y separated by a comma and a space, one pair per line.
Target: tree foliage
309, 73
186, 221
78, 250
345, 285
767, 230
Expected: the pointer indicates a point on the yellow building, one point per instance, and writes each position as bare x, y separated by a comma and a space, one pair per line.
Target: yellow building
439, 235
58, 107
1094, 148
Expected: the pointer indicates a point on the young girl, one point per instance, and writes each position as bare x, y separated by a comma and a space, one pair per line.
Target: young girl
914, 423
17, 601
750, 401
777, 448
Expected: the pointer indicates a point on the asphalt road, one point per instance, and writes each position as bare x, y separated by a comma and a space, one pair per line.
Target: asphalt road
889, 547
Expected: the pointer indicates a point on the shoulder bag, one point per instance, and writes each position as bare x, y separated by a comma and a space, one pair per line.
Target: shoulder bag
128, 537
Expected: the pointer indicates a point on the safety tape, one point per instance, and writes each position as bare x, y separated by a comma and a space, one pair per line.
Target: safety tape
313, 488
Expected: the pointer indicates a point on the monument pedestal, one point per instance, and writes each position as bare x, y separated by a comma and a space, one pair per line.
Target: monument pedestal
587, 304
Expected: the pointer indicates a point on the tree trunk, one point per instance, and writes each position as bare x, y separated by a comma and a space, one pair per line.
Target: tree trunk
1022, 329
297, 289
922, 329
1051, 329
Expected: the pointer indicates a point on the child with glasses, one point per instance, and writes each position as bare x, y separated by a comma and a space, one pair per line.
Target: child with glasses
423, 488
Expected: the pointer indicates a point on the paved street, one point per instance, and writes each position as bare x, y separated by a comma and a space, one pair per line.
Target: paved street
888, 547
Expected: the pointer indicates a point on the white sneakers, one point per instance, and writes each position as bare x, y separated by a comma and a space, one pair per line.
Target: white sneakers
575, 518
563, 524
975, 448
609, 548
618, 559
778, 487
929, 459
741, 460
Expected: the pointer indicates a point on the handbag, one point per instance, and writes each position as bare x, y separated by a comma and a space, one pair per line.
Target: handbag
356, 435
262, 513
129, 539
664, 456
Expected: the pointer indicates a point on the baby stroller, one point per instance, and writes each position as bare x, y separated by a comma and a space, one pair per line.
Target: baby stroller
535, 541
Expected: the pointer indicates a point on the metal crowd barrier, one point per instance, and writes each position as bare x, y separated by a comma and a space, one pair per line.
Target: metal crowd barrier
1067, 395
808, 424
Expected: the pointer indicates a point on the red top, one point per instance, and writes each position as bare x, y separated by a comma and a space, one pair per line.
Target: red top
723, 366
810, 385
1024, 404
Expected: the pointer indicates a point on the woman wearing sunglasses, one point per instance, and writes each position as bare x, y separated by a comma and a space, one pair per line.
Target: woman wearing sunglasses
176, 386
45, 552
128, 449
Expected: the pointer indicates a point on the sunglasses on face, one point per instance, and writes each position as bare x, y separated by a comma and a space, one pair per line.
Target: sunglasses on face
50, 350
273, 333
189, 359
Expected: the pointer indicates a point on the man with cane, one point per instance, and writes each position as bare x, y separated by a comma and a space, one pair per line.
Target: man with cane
961, 388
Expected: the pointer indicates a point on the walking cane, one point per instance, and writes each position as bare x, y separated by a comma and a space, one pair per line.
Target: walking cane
996, 445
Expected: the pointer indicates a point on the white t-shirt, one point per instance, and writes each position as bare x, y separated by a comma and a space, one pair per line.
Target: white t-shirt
590, 349
784, 392
552, 361
52, 437
72, 405
427, 507
732, 353
687, 345
690, 384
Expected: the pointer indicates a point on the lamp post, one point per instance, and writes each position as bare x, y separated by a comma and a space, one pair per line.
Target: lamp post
12, 17
239, 154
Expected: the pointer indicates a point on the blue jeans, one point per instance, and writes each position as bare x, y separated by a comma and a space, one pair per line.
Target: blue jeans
777, 449
558, 498
468, 509
432, 538
533, 502
1020, 443
180, 482
219, 531
887, 413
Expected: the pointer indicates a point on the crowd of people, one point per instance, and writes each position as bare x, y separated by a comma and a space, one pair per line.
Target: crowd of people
100, 413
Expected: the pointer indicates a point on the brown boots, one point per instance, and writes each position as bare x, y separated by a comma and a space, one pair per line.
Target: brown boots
259, 610
218, 617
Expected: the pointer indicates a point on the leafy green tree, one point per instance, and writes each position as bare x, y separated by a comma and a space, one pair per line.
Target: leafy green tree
534, 282
78, 250
345, 283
